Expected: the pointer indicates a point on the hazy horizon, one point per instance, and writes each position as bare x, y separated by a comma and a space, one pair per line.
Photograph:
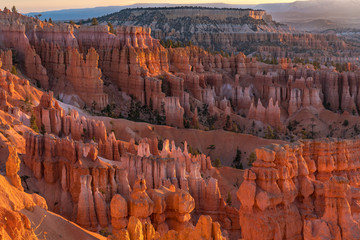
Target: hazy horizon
25, 6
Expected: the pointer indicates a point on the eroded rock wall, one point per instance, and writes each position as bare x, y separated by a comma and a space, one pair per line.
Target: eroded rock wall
75, 60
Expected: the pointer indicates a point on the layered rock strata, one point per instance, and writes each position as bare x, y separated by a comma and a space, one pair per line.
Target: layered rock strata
227, 29
73, 61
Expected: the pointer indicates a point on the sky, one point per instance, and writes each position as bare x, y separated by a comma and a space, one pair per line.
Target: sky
25, 6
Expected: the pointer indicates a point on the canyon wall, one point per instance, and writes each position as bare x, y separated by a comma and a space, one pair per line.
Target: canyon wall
227, 29
14, 224
74, 61
37, 47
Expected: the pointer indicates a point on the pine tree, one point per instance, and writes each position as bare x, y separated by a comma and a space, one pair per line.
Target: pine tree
237, 160
217, 163
50, 20
42, 131
13, 70
14, 10
33, 124
251, 159
111, 28
94, 22
228, 199
210, 148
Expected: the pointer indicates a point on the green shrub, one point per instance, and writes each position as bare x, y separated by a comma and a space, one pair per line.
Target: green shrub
105, 232
13, 70
270, 133
111, 28
251, 159
228, 199
33, 124
14, 10
217, 163
43, 131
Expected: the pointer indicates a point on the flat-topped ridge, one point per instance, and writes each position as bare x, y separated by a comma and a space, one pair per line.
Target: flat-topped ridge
212, 12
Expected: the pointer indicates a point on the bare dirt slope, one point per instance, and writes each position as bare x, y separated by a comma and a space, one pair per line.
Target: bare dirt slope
51, 226
225, 142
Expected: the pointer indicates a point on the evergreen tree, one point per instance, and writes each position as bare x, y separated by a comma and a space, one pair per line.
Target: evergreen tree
269, 133
33, 124
94, 22
111, 28
14, 10
43, 131
211, 148
237, 160
228, 199
50, 20
13, 70
217, 163
251, 159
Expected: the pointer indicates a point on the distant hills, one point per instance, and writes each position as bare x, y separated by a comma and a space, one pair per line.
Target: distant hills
326, 9
312, 15
77, 14
316, 25
85, 13
323, 13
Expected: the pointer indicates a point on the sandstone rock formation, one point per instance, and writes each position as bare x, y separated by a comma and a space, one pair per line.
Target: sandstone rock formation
310, 188
53, 119
119, 212
25, 216
13, 223
174, 112
73, 61
204, 229
13, 36
6, 59
12, 168
155, 186
48, 54
84, 76
79, 184
270, 115
86, 215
